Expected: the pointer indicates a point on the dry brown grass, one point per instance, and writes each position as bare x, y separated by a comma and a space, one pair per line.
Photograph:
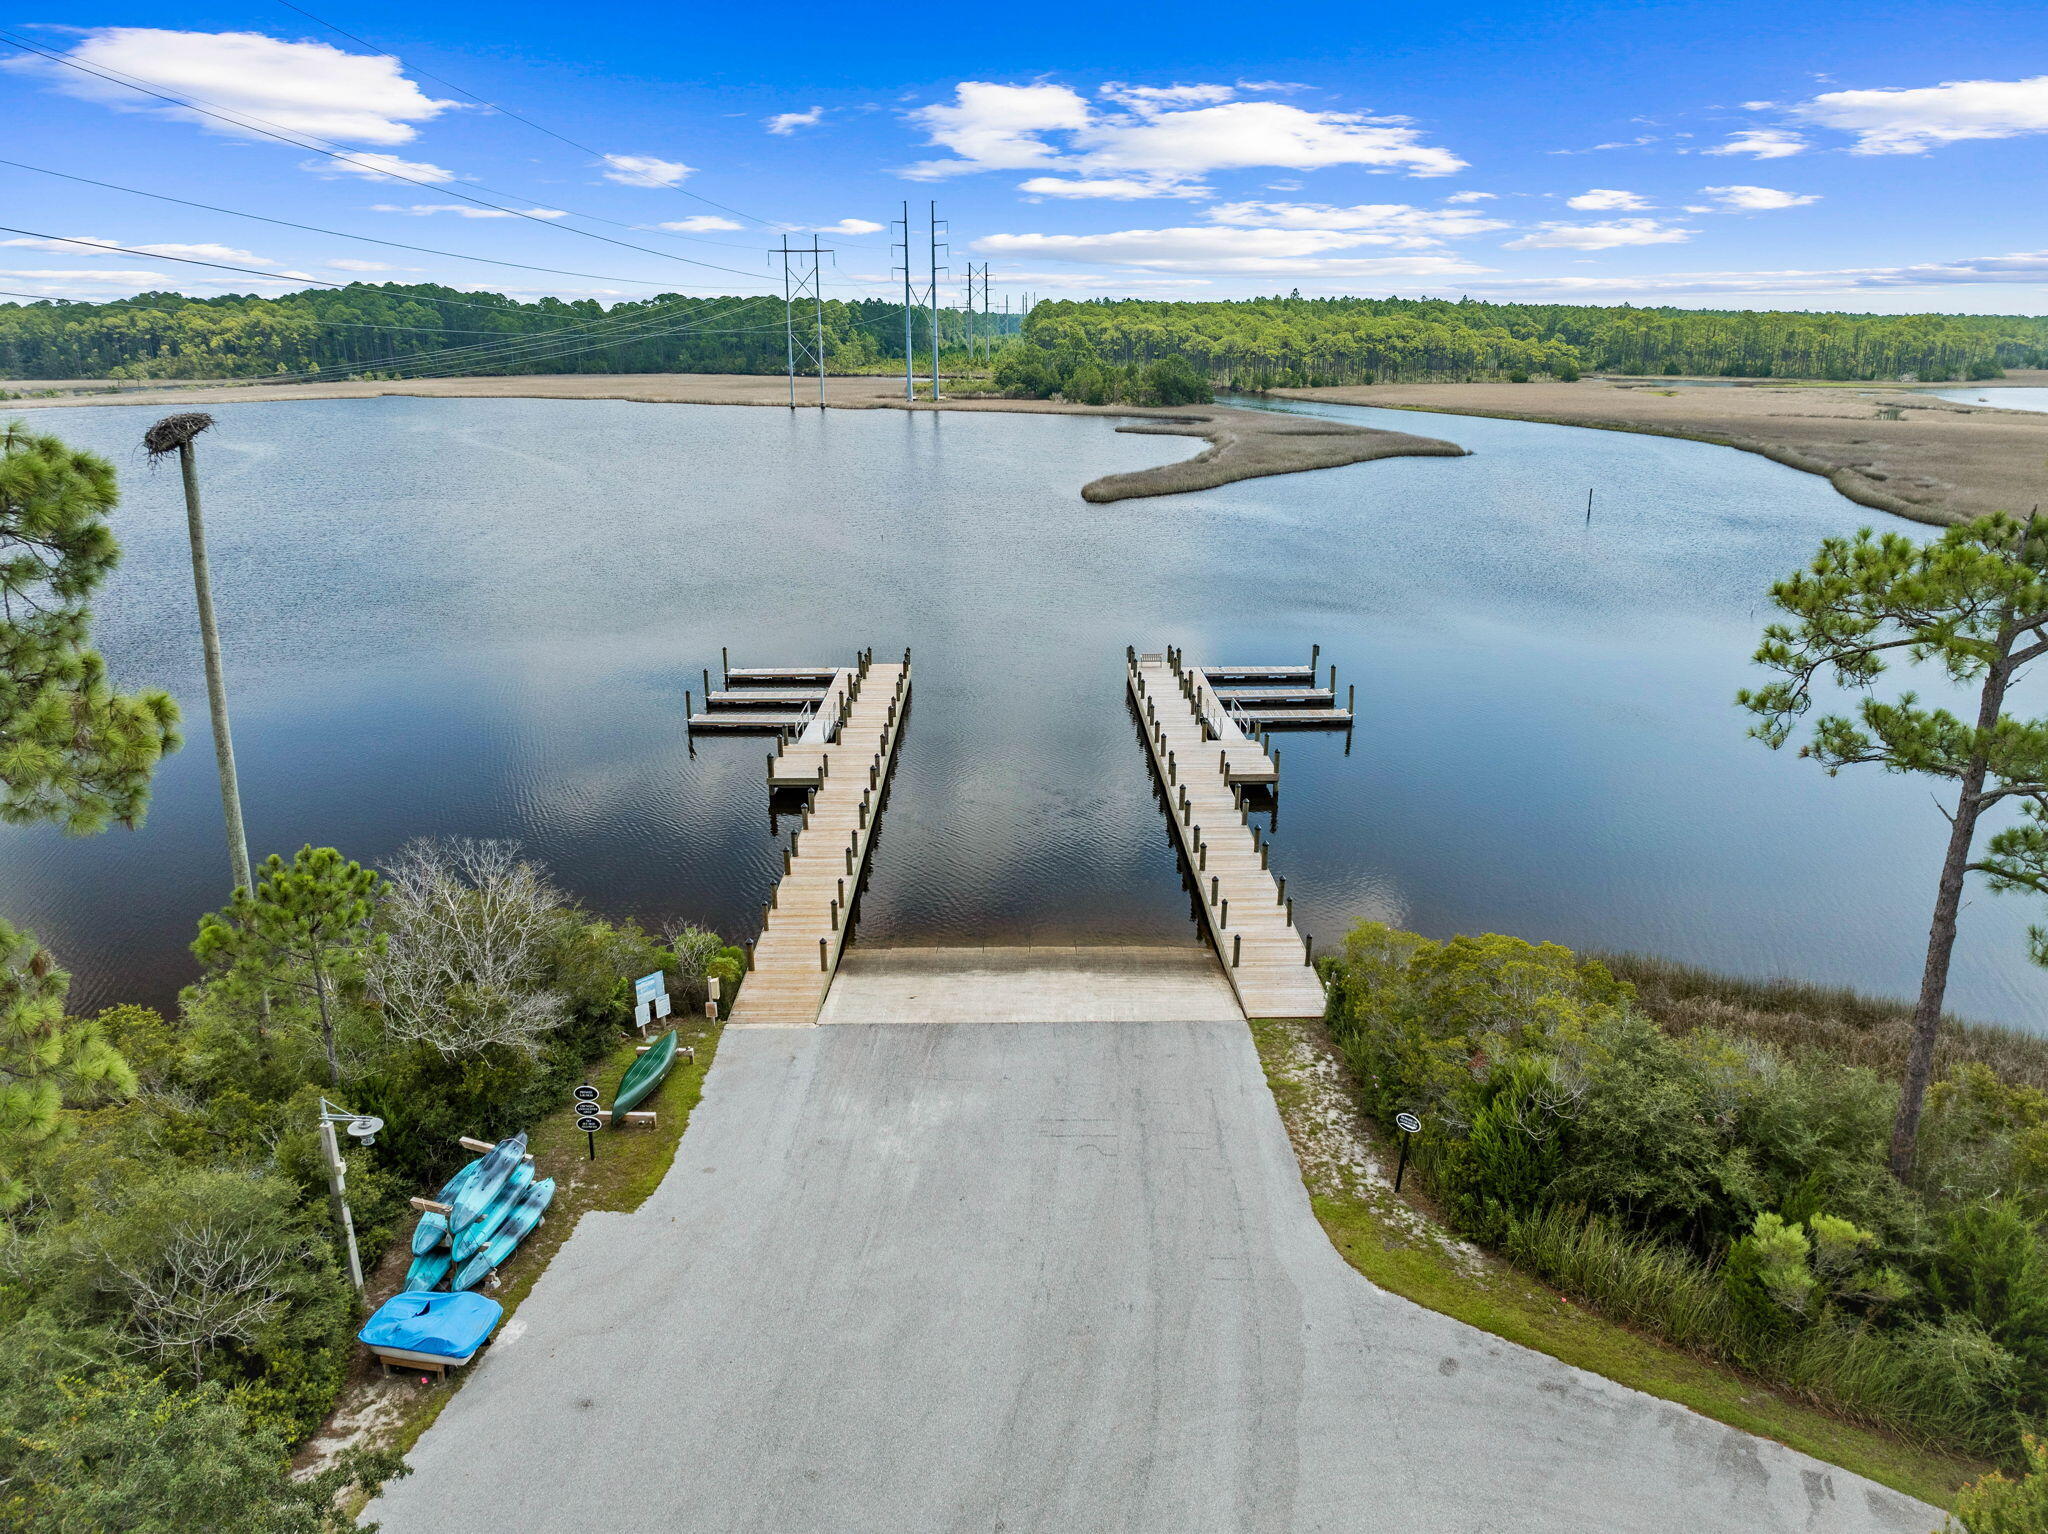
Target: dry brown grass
1843, 1024
1896, 449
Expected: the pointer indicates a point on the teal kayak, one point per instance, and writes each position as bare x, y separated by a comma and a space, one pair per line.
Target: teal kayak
428, 1270
470, 1239
524, 1215
643, 1076
492, 1173
432, 1230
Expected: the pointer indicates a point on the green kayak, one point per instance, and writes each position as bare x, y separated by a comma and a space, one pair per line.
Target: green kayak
643, 1076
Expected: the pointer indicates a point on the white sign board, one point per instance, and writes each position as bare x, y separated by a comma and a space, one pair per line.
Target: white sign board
661, 1004
647, 987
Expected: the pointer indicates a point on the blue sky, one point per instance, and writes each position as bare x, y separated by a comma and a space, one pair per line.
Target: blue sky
1741, 155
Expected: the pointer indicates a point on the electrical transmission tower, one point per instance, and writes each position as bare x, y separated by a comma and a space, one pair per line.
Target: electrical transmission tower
933, 224
801, 278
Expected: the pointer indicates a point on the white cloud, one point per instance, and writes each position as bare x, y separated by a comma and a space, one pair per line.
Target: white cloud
380, 167
2020, 268
1755, 199
786, 123
348, 264
1161, 137
1914, 121
104, 277
1114, 188
1158, 98
997, 127
1277, 252
1388, 223
78, 245
1273, 87
699, 223
1607, 200
466, 210
1472, 197
1764, 143
644, 170
305, 87
1243, 134
1605, 236
852, 226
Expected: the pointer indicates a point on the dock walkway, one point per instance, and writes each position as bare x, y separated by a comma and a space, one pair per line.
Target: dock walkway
1244, 909
805, 931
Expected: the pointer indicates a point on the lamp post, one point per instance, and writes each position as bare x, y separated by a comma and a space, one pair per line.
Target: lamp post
364, 1128
174, 434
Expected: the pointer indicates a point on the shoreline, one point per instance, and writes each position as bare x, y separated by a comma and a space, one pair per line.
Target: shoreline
1243, 444
1891, 447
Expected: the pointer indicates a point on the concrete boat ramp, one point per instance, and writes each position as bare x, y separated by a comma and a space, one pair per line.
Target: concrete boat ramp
1057, 1276
1013, 1239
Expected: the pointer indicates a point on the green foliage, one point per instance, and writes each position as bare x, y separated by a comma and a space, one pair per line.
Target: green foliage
1174, 381
1973, 602
45, 1057
72, 749
307, 925
1999, 1504
1024, 371
123, 1450
1729, 1195
1263, 342
1991, 1265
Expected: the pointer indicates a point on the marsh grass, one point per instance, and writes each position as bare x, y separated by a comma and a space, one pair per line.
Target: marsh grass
1845, 1025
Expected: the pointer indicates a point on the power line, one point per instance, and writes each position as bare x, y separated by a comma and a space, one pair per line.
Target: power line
248, 121
507, 111
369, 239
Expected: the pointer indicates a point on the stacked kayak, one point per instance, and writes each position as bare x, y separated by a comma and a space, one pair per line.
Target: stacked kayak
430, 1331
492, 1204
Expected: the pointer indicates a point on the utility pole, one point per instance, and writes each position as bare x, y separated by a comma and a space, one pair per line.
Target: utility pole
972, 333
988, 346
909, 372
797, 280
174, 434
933, 215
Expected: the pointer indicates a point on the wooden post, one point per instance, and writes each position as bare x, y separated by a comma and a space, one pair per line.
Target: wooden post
1315, 653
1351, 699
1265, 854
1236, 948
750, 956
822, 950
724, 664
1283, 891
707, 686
1224, 919
1214, 886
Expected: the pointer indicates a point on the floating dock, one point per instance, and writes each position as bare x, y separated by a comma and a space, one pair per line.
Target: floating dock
806, 703
1245, 909
845, 752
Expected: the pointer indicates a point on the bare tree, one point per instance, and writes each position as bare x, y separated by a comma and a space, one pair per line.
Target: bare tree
464, 964
202, 1260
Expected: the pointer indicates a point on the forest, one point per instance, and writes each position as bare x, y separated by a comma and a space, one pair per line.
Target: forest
1312, 342
395, 330
392, 330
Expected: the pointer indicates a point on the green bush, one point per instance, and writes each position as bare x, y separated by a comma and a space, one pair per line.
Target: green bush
1174, 381
1999, 1505
1991, 1265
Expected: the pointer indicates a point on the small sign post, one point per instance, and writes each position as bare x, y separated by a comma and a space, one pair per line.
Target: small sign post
645, 990
586, 1115
1408, 1124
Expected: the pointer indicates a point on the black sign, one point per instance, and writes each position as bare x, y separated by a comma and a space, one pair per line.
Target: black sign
1408, 1123
590, 1124
586, 1094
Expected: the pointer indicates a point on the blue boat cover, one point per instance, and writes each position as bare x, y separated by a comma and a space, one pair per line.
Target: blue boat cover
448, 1325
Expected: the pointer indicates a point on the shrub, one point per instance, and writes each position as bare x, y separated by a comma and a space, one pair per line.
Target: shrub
1999, 1505
1174, 381
1991, 1266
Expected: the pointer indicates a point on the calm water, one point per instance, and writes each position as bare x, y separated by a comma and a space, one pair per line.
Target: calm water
478, 617
2004, 399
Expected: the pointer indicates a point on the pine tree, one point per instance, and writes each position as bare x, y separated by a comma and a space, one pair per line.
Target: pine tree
1974, 602
46, 1059
72, 749
306, 925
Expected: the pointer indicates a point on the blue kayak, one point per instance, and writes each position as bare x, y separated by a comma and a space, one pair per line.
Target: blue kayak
471, 1238
487, 1182
524, 1216
432, 1230
431, 1328
428, 1270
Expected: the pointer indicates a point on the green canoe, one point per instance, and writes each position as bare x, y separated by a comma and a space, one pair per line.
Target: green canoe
643, 1076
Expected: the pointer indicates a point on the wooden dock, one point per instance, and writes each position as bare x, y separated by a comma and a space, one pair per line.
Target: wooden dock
1256, 697
848, 763
1245, 910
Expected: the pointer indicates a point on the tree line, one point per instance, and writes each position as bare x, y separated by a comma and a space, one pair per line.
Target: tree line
1312, 342
373, 330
